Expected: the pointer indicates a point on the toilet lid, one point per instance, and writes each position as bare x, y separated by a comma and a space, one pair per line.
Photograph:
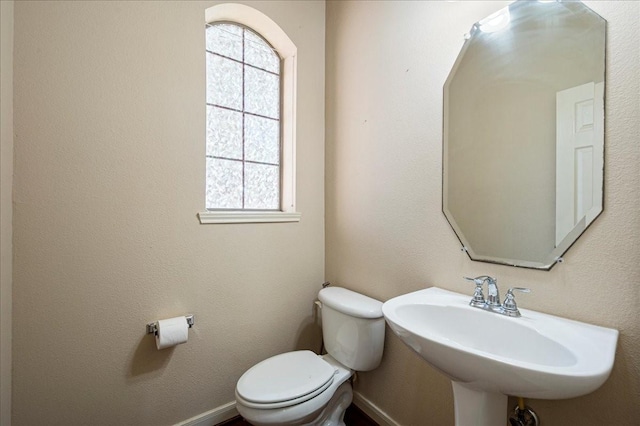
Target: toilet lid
284, 377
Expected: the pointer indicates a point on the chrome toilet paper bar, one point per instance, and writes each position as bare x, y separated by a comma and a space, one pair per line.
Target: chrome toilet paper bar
152, 327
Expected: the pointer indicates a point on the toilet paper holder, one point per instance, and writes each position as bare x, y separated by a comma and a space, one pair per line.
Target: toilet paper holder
152, 327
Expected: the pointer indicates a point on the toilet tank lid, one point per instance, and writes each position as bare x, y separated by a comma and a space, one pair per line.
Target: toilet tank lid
351, 303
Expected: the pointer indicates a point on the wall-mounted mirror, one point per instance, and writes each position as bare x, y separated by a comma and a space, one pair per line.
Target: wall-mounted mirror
524, 132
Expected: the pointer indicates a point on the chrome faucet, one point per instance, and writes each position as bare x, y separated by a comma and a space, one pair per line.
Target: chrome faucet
492, 303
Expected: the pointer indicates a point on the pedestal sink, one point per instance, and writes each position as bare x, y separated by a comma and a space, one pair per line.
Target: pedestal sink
488, 356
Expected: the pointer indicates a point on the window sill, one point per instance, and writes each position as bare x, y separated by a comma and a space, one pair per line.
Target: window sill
208, 217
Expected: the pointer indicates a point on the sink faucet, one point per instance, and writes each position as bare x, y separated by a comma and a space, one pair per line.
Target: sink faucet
492, 303
493, 294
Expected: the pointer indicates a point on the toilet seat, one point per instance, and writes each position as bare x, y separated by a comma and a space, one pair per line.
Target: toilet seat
285, 380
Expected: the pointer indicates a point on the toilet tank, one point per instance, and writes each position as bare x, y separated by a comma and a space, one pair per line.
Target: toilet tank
352, 328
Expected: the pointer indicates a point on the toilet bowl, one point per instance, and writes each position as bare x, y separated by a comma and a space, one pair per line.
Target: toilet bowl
302, 388
313, 396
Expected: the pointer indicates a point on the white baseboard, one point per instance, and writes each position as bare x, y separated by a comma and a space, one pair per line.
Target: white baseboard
373, 411
228, 411
212, 417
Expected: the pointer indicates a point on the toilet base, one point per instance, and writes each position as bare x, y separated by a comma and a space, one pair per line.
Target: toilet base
333, 413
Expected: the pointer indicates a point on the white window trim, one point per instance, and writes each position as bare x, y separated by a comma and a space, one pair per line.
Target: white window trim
261, 23
245, 216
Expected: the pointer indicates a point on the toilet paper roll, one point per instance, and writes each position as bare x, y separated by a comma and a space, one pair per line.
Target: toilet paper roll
171, 332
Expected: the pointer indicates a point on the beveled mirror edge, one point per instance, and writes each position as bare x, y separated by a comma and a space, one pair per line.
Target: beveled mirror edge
555, 257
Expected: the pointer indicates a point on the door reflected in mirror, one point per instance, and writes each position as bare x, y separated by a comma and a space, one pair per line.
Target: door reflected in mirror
524, 133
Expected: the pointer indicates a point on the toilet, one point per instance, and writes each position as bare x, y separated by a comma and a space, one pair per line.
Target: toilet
302, 388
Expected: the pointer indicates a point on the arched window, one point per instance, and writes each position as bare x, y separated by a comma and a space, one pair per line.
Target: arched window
250, 138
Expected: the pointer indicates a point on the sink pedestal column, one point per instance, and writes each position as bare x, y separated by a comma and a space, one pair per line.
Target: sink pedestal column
478, 408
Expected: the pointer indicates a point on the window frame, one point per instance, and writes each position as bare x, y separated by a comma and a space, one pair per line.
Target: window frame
261, 24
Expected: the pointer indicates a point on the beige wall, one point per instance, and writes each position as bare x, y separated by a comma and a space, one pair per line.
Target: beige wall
386, 234
109, 176
6, 214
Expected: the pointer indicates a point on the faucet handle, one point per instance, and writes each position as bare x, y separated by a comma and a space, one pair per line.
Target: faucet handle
478, 280
478, 296
520, 289
509, 305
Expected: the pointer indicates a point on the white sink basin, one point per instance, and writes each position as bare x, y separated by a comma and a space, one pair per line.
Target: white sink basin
534, 356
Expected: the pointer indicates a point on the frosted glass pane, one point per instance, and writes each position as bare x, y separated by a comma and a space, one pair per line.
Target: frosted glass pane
224, 184
262, 93
224, 82
224, 133
262, 186
262, 139
225, 39
258, 53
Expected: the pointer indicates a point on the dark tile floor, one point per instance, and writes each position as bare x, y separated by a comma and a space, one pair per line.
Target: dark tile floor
353, 417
